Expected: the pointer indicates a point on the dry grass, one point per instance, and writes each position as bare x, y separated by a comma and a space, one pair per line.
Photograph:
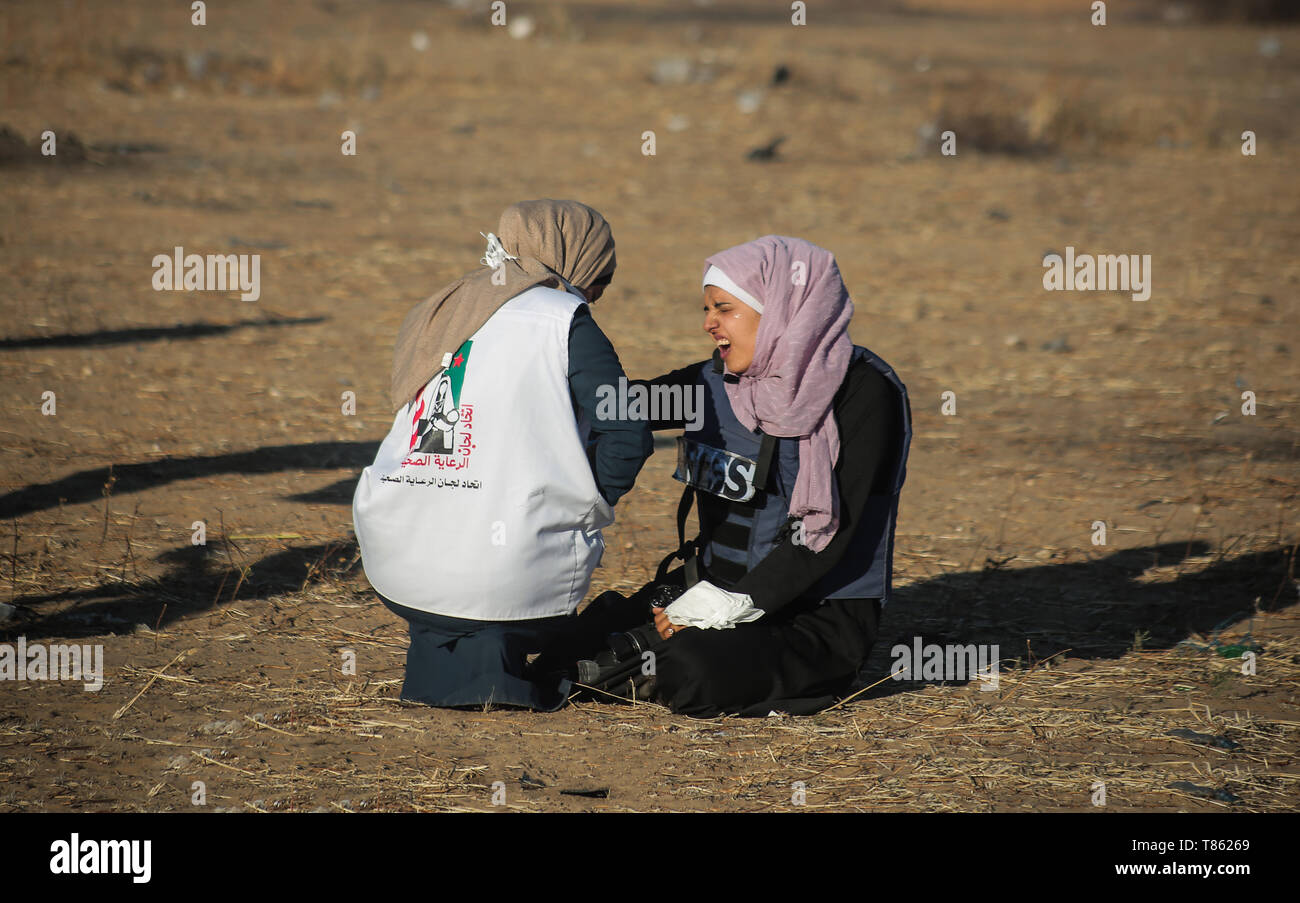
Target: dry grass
308, 738
1135, 425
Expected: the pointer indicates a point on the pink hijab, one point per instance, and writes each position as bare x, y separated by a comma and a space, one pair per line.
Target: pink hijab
801, 356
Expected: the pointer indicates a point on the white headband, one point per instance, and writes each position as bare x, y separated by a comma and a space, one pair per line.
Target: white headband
716, 277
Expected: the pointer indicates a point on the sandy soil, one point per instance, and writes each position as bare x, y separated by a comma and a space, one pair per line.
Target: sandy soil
223, 661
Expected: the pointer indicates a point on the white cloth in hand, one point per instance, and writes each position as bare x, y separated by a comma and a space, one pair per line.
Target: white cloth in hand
708, 606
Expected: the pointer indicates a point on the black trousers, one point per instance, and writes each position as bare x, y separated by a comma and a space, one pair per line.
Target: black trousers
799, 664
798, 660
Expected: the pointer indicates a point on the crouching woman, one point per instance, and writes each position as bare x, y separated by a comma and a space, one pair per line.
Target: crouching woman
480, 520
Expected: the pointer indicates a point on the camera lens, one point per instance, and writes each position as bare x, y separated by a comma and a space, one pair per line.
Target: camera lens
625, 646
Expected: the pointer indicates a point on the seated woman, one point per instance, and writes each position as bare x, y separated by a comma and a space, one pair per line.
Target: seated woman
479, 521
797, 468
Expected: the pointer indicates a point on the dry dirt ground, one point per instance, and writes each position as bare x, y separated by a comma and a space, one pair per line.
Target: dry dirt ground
223, 661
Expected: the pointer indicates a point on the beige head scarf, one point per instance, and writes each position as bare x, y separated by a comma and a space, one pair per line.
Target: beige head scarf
547, 239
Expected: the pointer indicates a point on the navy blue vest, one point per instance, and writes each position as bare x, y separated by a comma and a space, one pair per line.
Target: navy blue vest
737, 535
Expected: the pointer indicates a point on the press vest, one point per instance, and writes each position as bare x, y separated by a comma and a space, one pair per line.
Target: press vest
481, 502
738, 532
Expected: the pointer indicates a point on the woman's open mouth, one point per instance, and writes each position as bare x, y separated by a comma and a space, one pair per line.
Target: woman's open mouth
724, 346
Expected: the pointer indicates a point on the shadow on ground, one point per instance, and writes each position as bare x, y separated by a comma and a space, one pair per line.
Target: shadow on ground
1101, 608
89, 485
148, 333
198, 579
1098, 608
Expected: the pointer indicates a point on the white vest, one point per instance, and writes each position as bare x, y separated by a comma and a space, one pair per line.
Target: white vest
499, 518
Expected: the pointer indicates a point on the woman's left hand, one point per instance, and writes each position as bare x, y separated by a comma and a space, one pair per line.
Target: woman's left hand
665, 627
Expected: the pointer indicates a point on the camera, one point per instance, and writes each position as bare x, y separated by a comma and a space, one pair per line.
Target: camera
622, 657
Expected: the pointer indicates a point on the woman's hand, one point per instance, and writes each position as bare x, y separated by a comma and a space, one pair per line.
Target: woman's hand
708, 607
665, 627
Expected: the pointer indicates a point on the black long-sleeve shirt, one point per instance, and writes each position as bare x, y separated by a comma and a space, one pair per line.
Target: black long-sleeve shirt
617, 448
868, 411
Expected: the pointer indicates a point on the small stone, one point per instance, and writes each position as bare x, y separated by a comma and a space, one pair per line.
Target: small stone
767, 151
521, 27
196, 64
749, 101
672, 70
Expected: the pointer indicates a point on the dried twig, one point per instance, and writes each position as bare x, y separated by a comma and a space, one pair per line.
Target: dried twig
122, 711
